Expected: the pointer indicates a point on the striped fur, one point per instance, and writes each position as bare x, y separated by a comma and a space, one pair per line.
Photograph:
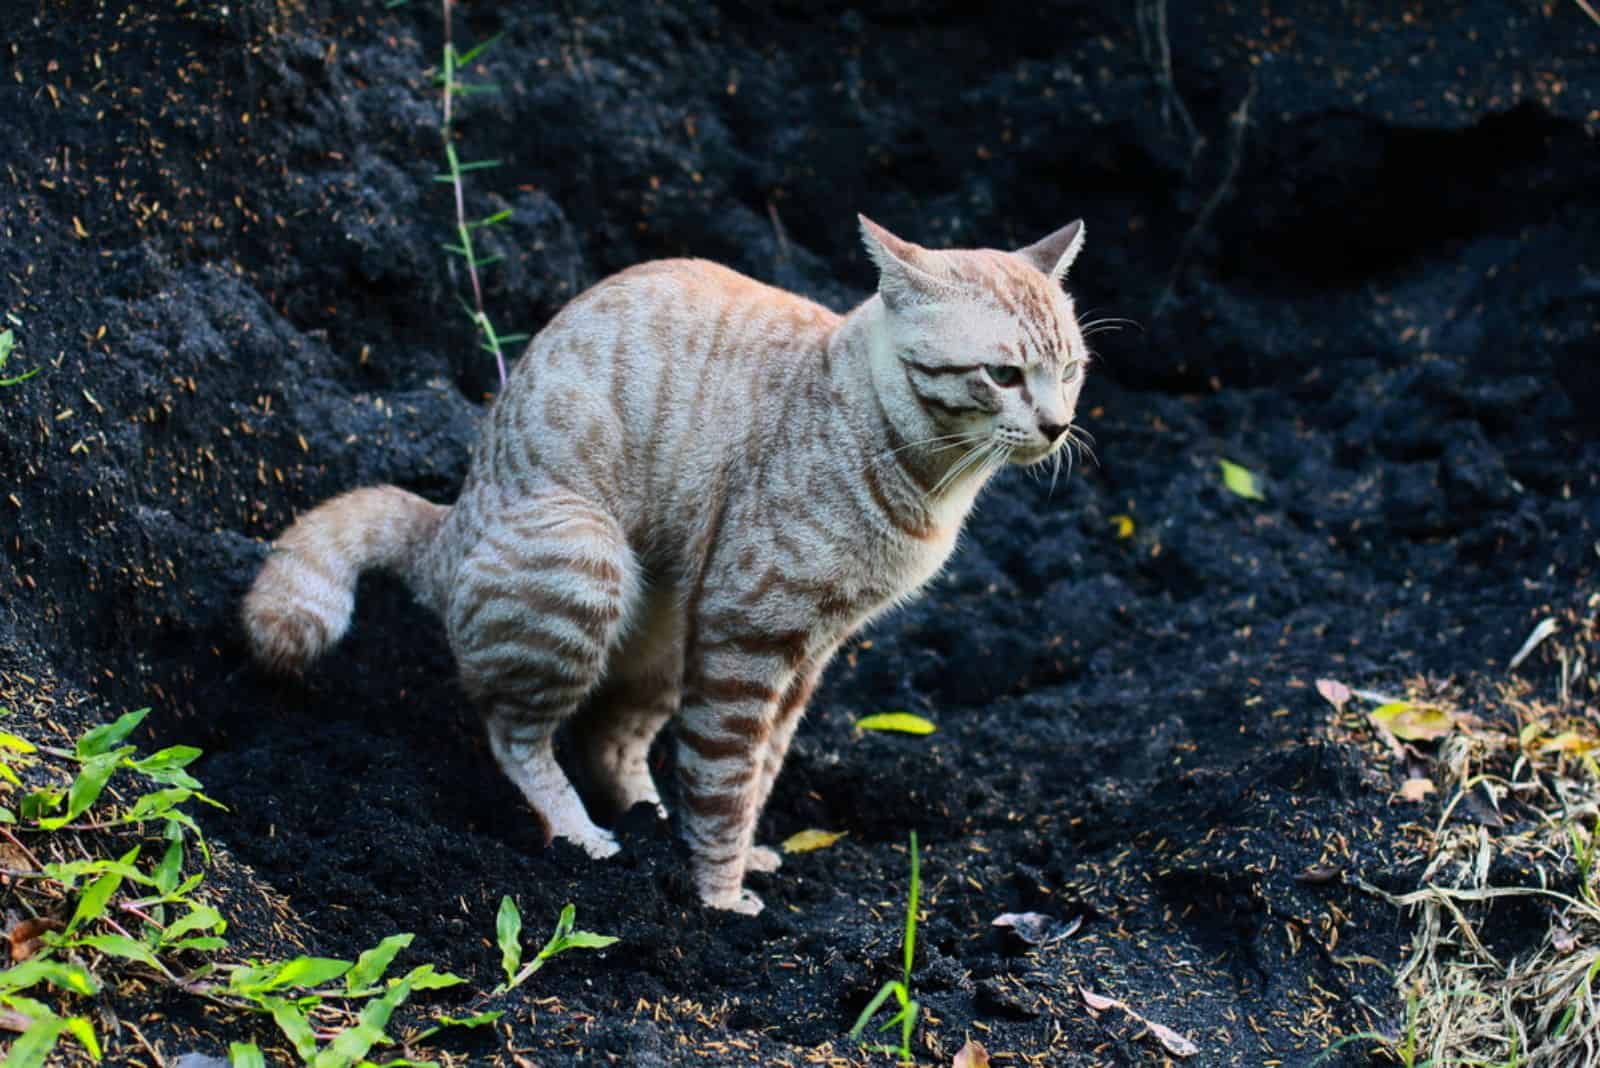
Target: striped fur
692, 490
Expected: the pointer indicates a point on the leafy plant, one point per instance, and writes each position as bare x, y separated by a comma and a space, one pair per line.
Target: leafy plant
123, 911
143, 913
454, 61
8, 341
899, 989
508, 933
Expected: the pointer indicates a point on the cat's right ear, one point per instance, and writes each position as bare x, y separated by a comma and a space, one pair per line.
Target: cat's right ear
904, 277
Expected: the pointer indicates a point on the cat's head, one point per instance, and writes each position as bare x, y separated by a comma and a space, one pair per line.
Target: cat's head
987, 341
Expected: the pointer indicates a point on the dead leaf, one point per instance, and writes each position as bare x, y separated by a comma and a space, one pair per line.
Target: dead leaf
1545, 628
810, 839
1415, 789
1319, 873
1334, 692
1412, 722
1098, 1002
971, 1055
1123, 524
26, 937
1173, 1042
1035, 928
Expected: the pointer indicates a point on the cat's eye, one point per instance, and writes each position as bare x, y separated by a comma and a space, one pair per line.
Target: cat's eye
1004, 375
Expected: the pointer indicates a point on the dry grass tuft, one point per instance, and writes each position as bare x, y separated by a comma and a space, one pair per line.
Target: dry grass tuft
1505, 951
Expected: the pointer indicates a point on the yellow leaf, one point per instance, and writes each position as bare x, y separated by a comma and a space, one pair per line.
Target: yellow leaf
77, 227
15, 744
1123, 525
904, 722
1241, 480
1566, 742
1416, 789
807, 840
1413, 723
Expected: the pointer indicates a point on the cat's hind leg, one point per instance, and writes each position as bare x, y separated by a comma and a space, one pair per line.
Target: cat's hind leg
537, 607
612, 734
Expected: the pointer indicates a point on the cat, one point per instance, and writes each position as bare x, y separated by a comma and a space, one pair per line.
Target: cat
691, 490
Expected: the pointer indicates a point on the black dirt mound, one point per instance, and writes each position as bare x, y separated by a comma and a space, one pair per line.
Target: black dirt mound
1363, 247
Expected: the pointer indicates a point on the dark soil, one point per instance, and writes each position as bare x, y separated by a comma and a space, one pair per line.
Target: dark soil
1372, 275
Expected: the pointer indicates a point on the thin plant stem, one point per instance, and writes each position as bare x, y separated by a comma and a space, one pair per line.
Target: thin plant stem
463, 230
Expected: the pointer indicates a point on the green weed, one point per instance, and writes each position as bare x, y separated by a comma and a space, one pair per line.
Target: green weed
451, 86
899, 989
508, 933
8, 342
132, 912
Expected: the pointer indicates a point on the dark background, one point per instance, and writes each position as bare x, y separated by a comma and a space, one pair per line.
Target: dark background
1362, 244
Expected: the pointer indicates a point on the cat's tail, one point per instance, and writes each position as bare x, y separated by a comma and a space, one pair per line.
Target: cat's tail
301, 602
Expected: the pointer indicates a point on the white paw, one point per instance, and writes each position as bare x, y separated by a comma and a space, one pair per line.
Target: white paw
597, 843
741, 901
763, 858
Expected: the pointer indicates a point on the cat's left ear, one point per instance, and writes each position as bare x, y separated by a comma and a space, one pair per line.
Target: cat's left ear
1055, 253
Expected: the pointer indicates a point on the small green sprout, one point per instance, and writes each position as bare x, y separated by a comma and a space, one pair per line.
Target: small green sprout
8, 341
899, 989
508, 932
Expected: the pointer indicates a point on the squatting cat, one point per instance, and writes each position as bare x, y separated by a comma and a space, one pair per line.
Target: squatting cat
691, 490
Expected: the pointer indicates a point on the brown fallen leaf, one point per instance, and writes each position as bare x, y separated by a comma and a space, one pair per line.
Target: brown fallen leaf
971, 1055
1334, 692
26, 937
1173, 1042
1415, 789
1319, 873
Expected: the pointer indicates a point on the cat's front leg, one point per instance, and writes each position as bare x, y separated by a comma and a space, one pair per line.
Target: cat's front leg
733, 699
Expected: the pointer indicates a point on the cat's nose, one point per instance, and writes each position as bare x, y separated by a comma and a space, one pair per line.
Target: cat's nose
1052, 431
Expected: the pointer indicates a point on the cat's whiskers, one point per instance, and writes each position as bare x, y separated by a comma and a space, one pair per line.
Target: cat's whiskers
1102, 325
971, 459
1077, 436
951, 440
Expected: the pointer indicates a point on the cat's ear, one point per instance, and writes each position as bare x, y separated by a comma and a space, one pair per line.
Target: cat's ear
904, 275
1055, 253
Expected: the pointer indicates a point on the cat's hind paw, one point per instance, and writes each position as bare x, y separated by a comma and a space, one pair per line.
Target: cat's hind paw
741, 901
763, 859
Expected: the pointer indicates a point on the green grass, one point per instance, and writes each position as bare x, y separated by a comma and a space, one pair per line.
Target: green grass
899, 989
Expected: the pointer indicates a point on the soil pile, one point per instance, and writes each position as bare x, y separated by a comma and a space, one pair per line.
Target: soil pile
1364, 249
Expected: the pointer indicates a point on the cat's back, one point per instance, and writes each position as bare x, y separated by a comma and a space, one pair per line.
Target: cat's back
676, 307
650, 377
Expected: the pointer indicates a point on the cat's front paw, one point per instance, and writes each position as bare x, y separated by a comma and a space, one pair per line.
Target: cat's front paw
741, 901
763, 859
597, 843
